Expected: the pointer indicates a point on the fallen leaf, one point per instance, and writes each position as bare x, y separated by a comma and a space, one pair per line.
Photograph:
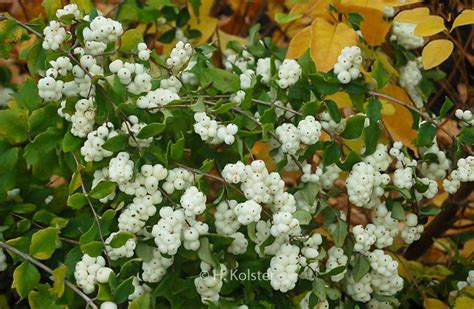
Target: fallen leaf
299, 43
413, 16
430, 25
399, 125
327, 42
465, 18
204, 22
436, 52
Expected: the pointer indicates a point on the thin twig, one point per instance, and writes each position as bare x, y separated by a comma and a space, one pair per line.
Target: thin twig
44, 267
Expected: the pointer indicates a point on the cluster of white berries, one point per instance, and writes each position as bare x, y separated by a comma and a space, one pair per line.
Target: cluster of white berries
248, 212
469, 281
226, 219
70, 9
121, 168
309, 255
133, 126
50, 89
172, 83
100, 32
89, 271
139, 289
379, 159
411, 231
154, 269
284, 224
155, 99
463, 173
382, 263
60, 66
193, 202
330, 125
347, 66
364, 183
289, 73
133, 218
54, 35
290, 136
126, 250
336, 258
329, 175
246, 79
83, 118
386, 226
146, 182
178, 179
92, 149
99, 175
465, 116
309, 176
210, 282
243, 60
359, 290
432, 170
364, 237
167, 231
134, 75
237, 97
404, 34
179, 55
410, 79
213, 132
143, 52
264, 69
284, 266
239, 244
403, 178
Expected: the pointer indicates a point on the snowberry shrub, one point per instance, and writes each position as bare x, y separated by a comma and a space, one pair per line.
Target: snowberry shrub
162, 194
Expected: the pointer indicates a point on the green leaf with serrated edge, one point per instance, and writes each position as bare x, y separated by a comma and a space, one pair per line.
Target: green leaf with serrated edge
103, 189
25, 278
43, 243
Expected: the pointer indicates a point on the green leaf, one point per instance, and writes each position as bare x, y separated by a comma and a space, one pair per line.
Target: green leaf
374, 110
120, 239
371, 138
360, 268
13, 126
23, 208
354, 127
84, 5
142, 302
397, 209
447, 104
333, 111
76, 201
25, 278
27, 95
123, 290
70, 142
206, 255
42, 298
222, 80
177, 149
331, 154
36, 58
467, 136
426, 134
8, 159
116, 143
310, 108
153, 129
380, 75
183, 18
303, 216
102, 189
130, 40
75, 182
51, 6
319, 288
43, 243
283, 18
429, 210
59, 275
93, 248
340, 233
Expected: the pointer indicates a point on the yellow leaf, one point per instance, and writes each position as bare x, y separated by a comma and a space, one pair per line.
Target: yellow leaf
436, 52
464, 302
465, 18
327, 42
225, 38
204, 23
398, 3
413, 16
468, 248
342, 99
387, 108
430, 25
433, 303
374, 4
299, 43
313, 8
374, 27
399, 125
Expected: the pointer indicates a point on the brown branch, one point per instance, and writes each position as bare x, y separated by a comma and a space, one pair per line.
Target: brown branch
441, 223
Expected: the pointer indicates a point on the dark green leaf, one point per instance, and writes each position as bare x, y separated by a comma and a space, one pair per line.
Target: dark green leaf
102, 189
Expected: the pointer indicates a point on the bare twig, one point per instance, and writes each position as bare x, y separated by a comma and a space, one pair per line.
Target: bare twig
44, 267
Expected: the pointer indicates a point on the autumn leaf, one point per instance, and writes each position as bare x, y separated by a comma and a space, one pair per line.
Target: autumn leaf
398, 3
464, 302
413, 16
342, 99
204, 23
299, 44
313, 9
374, 27
430, 25
465, 18
436, 52
224, 38
433, 303
327, 42
371, 4
399, 123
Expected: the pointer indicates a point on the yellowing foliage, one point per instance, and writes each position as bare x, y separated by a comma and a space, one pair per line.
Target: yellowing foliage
465, 18
433, 303
413, 16
327, 42
430, 25
204, 23
436, 52
313, 8
374, 27
299, 44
